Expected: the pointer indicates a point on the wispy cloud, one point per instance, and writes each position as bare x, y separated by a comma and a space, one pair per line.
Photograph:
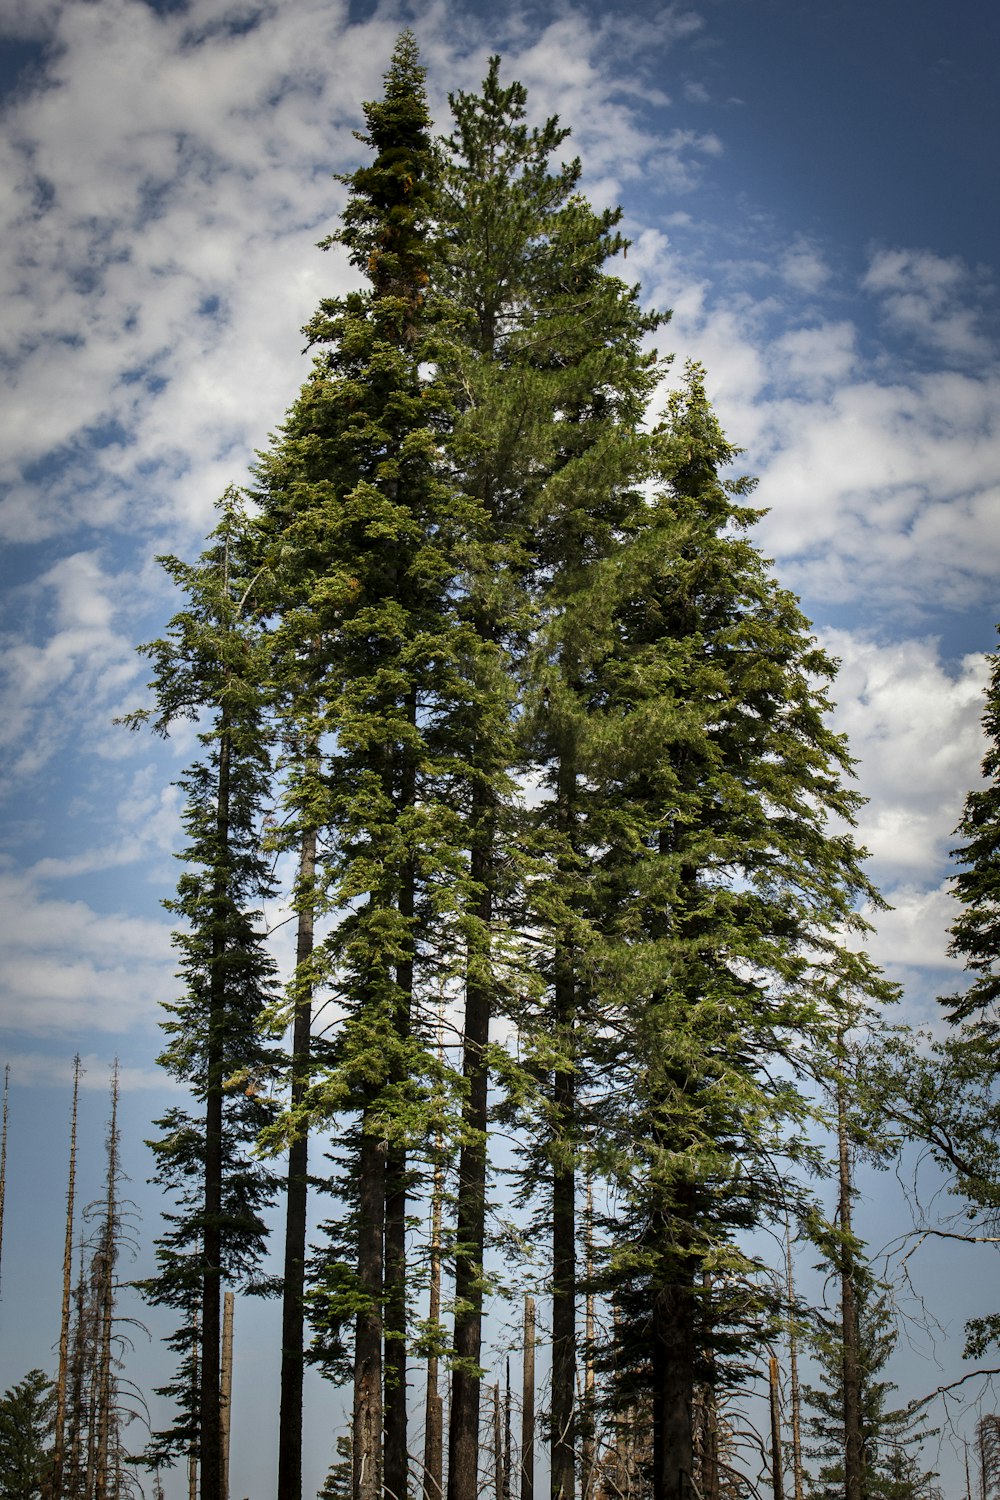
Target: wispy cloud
69, 970
928, 297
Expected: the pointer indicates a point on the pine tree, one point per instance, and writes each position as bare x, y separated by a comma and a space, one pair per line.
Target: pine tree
551, 371
722, 968
27, 1412
363, 533
891, 1438
211, 667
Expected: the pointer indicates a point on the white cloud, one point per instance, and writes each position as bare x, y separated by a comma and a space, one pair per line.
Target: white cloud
31, 1068
803, 266
915, 933
68, 970
925, 296
914, 726
64, 687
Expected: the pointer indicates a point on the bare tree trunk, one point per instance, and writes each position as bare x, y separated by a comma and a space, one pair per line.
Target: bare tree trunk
106, 1302
196, 1386
588, 1450
74, 1459
59, 1437
226, 1388
528, 1404
563, 1441
433, 1424
367, 1441
777, 1477
793, 1355
497, 1444
709, 1409
854, 1459
506, 1438
296, 1205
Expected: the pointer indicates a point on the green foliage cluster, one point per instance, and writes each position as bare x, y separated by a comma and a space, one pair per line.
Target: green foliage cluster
27, 1414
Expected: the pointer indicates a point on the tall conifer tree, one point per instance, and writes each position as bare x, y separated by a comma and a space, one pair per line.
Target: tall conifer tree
211, 667
725, 899
364, 533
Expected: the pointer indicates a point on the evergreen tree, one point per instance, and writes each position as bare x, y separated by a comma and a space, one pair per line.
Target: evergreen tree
551, 375
211, 667
27, 1413
891, 1438
722, 967
363, 532
949, 1098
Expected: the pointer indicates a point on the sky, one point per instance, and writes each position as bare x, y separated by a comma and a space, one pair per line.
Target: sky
808, 184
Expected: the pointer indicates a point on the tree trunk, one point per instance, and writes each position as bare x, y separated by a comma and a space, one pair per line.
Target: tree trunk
433, 1424
854, 1474
793, 1358
396, 1474
211, 1295
673, 1390
470, 1228
368, 1416
709, 1414
588, 1447
226, 1388
104, 1378
59, 1435
196, 1385
297, 1202
563, 1442
528, 1404
777, 1466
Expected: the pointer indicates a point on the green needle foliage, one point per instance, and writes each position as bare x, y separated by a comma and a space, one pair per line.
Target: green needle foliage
211, 668
891, 1437
27, 1414
723, 899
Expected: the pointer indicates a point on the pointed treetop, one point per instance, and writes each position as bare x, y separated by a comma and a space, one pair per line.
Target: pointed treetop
385, 218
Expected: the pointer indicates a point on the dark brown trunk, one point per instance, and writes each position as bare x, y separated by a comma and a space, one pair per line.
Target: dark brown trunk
673, 1390
210, 1453
854, 1459
563, 1442
563, 1317
396, 1470
588, 1446
470, 1228
528, 1404
297, 1202
367, 1443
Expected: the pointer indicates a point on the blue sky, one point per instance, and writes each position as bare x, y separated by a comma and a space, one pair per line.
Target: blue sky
810, 186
